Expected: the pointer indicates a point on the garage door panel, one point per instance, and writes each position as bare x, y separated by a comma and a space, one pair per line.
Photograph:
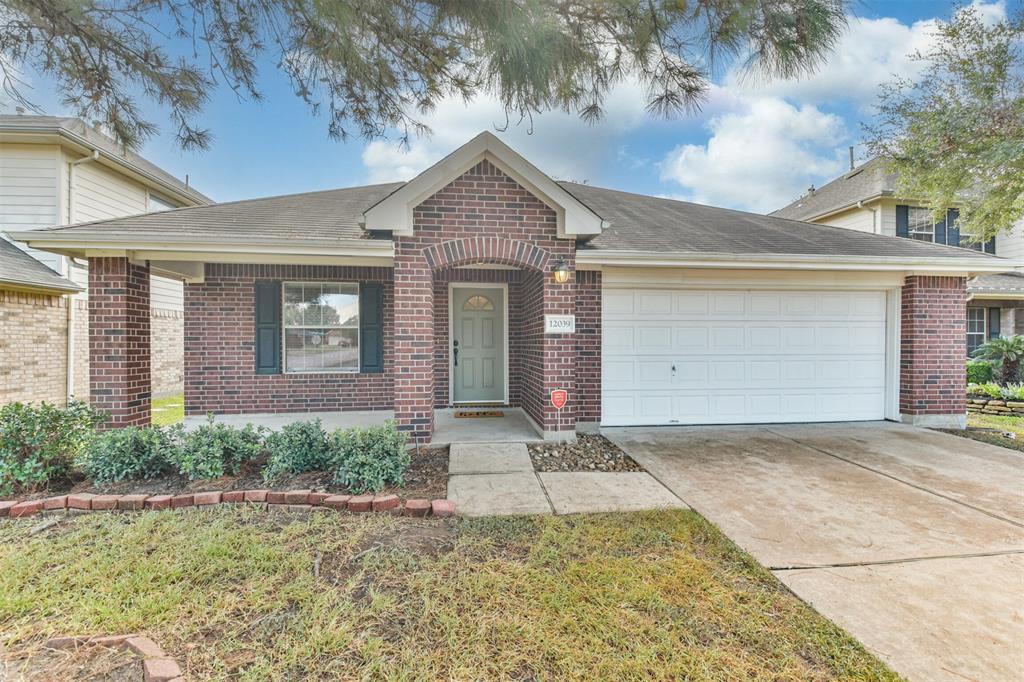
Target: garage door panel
742, 357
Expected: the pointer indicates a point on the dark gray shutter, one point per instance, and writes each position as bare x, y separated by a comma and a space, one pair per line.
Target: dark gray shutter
371, 328
902, 221
952, 229
940, 231
993, 323
990, 246
268, 327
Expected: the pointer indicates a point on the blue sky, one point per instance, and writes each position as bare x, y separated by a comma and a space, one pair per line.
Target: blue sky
755, 146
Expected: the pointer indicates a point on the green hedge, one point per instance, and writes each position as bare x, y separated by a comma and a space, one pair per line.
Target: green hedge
39, 443
980, 372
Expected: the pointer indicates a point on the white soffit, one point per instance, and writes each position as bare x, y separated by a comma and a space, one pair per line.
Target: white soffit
394, 212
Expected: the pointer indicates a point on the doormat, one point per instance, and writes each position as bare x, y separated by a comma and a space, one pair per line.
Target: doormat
478, 414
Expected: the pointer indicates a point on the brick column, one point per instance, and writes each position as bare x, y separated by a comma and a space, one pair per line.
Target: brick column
413, 342
560, 359
588, 350
933, 348
120, 379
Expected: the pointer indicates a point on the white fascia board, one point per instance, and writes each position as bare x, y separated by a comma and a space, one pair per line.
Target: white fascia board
959, 267
81, 245
394, 212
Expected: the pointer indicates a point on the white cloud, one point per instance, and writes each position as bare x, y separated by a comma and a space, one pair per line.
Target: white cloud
759, 158
871, 52
560, 144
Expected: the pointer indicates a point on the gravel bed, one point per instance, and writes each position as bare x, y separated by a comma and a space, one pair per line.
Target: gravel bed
588, 453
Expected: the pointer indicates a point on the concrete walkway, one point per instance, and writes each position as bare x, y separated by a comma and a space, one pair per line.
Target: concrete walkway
911, 540
498, 479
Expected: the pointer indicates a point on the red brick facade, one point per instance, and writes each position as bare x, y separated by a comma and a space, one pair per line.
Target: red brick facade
588, 346
220, 349
483, 217
933, 343
120, 376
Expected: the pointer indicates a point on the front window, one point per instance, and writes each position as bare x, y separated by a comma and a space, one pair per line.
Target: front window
976, 329
321, 327
919, 224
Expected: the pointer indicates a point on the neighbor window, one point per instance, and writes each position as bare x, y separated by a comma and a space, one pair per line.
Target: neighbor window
919, 224
157, 204
976, 328
321, 327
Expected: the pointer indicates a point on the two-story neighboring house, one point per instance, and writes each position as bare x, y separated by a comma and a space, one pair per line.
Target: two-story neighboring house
865, 199
59, 171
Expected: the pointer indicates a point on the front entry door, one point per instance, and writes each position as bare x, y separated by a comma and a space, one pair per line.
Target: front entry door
478, 344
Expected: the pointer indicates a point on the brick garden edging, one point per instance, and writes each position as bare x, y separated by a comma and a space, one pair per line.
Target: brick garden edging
156, 665
981, 403
274, 500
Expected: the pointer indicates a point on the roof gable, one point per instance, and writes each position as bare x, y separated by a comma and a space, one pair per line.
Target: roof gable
394, 213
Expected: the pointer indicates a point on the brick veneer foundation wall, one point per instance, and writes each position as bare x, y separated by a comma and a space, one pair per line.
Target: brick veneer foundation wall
220, 372
481, 217
588, 346
120, 377
933, 347
168, 351
33, 347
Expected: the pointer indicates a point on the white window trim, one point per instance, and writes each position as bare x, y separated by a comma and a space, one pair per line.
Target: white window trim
984, 326
284, 331
927, 230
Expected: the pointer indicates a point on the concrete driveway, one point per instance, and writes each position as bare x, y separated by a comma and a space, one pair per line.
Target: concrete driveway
912, 540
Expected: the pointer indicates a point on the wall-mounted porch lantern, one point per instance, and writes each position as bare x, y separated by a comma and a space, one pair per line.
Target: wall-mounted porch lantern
561, 271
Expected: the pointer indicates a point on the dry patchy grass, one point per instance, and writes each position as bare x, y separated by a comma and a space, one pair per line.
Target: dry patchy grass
242, 594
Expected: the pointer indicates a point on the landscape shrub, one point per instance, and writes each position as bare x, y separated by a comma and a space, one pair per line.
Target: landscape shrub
989, 390
128, 453
1006, 354
39, 443
980, 372
215, 449
370, 459
298, 447
1014, 392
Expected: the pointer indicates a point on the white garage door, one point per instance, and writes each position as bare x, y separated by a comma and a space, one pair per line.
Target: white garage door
742, 357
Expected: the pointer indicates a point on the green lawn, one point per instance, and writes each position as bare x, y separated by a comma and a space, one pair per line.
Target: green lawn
169, 410
238, 593
990, 421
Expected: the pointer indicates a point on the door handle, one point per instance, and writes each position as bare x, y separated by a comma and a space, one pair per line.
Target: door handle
455, 352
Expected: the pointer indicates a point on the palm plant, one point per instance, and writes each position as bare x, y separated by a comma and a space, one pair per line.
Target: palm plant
1006, 353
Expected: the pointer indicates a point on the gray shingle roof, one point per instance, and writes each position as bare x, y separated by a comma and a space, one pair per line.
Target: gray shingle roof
19, 268
329, 215
651, 224
1003, 283
868, 180
638, 223
97, 140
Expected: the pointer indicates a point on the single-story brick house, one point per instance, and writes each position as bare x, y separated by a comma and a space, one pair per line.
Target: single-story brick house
484, 281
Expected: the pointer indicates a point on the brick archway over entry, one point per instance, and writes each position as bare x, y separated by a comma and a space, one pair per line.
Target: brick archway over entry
487, 251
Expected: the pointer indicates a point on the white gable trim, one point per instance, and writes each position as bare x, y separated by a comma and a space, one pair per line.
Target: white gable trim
394, 212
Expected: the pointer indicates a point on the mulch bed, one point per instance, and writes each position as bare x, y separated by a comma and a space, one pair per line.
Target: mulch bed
588, 453
426, 478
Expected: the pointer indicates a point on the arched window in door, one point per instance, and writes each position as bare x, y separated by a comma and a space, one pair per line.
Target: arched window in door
478, 302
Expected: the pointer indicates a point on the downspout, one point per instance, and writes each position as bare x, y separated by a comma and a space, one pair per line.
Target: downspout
70, 379
876, 227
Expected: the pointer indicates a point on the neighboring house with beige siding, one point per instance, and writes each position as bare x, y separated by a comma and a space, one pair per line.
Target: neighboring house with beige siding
865, 199
58, 171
